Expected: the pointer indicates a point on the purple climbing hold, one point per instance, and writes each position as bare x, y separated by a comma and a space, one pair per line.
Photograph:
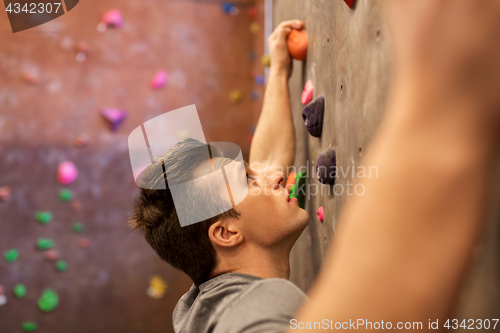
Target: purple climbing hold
326, 166
259, 79
313, 116
254, 95
114, 116
229, 8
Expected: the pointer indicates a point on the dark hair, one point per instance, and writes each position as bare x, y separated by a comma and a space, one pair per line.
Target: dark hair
186, 248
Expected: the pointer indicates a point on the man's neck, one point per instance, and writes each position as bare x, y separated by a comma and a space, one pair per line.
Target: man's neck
264, 263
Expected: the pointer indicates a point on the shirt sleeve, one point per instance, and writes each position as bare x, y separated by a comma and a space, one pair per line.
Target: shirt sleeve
267, 307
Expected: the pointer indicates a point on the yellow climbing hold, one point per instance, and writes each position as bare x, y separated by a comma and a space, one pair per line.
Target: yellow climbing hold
157, 287
254, 27
236, 96
266, 60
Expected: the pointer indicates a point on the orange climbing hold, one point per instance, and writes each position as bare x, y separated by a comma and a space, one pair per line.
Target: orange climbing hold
290, 181
297, 42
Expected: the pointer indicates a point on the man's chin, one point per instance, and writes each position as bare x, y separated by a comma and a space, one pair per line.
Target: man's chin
302, 220
304, 217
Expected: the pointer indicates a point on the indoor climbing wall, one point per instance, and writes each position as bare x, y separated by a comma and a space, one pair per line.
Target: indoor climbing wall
71, 91
348, 63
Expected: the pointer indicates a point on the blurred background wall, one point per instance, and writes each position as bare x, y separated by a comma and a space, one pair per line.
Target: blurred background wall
49, 95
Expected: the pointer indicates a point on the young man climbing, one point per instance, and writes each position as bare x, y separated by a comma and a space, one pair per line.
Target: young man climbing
239, 260
402, 249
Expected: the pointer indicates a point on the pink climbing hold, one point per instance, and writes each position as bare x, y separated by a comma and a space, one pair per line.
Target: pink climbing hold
112, 18
4, 193
307, 94
159, 80
114, 116
320, 213
66, 172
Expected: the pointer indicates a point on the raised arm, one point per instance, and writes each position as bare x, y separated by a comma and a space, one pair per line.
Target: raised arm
402, 249
273, 143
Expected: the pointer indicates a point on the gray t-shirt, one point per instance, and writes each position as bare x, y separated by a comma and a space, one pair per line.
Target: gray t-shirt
238, 303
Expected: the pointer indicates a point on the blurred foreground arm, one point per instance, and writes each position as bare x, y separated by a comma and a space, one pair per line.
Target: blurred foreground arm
402, 249
273, 143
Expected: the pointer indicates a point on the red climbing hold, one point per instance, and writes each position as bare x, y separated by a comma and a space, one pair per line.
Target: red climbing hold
81, 140
66, 172
76, 205
320, 213
51, 255
82, 47
307, 94
84, 243
350, 3
115, 117
253, 12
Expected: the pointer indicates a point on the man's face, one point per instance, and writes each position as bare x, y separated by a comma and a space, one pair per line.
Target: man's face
268, 216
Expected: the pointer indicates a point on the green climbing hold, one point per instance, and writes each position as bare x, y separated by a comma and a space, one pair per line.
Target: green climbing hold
300, 181
65, 195
48, 301
29, 327
43, 217
293, 191
61, 265
11, 255
20, 290
44, 243
78, 227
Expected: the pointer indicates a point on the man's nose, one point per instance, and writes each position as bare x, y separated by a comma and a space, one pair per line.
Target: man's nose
277, 177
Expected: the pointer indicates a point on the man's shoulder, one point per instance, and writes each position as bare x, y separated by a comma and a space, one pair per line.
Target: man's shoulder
273, 286
267, 305
200, 308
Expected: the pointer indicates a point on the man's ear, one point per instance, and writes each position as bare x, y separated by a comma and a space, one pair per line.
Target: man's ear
225, 234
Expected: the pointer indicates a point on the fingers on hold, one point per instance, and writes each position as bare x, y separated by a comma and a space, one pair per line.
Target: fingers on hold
298, 24
292, 24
